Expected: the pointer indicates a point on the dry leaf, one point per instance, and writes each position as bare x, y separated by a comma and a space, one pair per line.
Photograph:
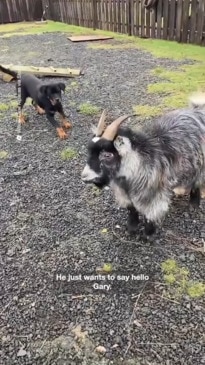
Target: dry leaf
104, 230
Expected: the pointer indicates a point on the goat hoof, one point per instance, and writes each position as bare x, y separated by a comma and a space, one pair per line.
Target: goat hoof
150, 228
132, 228
133, 221
195, 196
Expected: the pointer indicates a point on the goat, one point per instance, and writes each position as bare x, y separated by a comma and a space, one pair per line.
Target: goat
145, 166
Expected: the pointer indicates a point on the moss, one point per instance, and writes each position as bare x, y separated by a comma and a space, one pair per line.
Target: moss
196, 290
4, 107
178, 282
68, 153
147, 110
169, 266
3, 155
88, 109
96, 191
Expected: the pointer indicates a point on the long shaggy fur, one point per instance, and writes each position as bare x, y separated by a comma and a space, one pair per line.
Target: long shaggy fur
158, 158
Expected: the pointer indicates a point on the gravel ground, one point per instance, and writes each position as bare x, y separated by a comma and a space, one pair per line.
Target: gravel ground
51, 223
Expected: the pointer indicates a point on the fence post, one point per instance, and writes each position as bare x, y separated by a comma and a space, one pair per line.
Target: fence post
129, 17
95, 16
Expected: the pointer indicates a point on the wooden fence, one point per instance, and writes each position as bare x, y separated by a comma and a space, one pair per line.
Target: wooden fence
180, 20
12, 11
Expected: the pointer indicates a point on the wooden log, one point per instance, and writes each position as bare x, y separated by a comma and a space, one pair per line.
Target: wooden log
45, 71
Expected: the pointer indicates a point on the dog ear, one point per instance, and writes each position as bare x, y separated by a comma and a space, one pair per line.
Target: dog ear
43, 89
62, 86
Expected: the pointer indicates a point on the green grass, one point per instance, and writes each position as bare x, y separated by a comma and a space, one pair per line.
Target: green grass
68, 154
4, 107
173, 87
88, 109
178, 282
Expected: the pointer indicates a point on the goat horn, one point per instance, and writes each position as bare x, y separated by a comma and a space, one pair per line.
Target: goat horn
101, 124
112, 129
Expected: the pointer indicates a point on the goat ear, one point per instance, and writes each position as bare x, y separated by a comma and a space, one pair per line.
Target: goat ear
122, 145
62, 86
43, 89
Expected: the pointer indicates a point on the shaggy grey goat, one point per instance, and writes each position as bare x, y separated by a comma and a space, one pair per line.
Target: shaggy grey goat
145, 166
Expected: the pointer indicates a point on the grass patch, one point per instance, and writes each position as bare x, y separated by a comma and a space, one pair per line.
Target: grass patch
88, 109
68, 154
26, 28
4, 107
3, 155
178, 282
114, 47
147, 110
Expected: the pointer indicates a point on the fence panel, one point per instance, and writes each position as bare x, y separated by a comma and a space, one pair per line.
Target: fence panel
180, 20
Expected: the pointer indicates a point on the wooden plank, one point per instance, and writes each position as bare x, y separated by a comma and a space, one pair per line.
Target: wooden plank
45, 71
132, 17
86, 38
185, 21
200, 22
172, 20
179, 20
159, 19
111, 14
153, 23
123, 16
129, 17
114, 15
147, 18
107, 15
165, 18
142, 12
136, 20
119, 16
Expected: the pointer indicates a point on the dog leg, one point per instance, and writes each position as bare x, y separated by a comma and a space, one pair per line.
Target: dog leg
65, 123
24, 95
60, 131
37, 108
22, 119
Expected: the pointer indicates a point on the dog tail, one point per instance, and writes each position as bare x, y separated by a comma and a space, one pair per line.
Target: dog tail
197, 100
9, 72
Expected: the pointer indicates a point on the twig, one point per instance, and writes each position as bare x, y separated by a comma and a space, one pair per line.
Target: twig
131, 318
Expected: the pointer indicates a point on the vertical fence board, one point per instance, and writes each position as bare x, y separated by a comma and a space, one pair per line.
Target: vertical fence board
165, 19
172, 20
185, 20
159, 18
147, 18
179, 20
200, 22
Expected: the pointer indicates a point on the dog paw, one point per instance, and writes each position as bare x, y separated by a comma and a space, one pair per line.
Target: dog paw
61, 133
22, 119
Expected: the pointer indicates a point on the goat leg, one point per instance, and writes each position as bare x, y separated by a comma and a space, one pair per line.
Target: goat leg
133, 219
195, 196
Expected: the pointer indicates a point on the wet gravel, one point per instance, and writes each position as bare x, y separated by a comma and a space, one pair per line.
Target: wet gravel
52, 224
